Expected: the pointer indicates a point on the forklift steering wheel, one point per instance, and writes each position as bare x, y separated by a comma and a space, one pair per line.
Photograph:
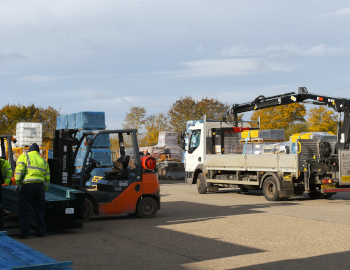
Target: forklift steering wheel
94, 161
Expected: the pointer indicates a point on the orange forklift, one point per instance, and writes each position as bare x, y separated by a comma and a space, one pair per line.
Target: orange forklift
130, 187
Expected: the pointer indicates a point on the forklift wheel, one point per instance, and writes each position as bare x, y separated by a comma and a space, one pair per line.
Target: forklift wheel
147, 207
88, 210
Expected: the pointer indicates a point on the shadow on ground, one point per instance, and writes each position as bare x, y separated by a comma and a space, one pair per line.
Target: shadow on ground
330, 261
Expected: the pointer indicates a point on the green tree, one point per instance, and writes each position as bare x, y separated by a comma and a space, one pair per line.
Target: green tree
295, 128
135, 118
322, 119
154, 124
280, 117
187, 108
10, 115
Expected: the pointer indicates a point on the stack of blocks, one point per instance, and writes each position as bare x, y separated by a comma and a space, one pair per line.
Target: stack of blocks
84, 122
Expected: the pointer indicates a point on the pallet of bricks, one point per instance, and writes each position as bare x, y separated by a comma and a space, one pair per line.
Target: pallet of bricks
169, 156
64, 207
84, 122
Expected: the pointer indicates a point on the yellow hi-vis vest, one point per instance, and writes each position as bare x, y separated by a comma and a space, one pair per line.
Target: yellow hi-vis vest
32, 168
6, 171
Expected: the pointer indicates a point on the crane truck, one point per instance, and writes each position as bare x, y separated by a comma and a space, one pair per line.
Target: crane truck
318, 167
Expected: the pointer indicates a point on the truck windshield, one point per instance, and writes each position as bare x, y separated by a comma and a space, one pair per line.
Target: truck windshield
195, 140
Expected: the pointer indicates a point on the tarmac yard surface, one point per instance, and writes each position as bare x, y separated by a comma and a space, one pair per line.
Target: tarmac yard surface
223, 230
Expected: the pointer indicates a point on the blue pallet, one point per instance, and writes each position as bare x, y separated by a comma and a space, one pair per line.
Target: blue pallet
90, 120
103, 156
71, 120
102, 141
58, 122
62, 121
15, 255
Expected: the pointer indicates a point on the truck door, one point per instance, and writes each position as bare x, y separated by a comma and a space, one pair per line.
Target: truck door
194, 153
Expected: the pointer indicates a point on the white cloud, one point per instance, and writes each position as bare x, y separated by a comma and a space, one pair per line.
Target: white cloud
338, 13
10, 56
48, 79
278, 50
227, 67
200, 50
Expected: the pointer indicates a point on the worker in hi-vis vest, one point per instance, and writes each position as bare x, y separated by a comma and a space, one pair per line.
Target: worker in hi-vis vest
32, 181
6, 171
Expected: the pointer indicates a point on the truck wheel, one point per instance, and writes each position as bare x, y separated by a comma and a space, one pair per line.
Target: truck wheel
327, 196
201, 184
316, 195
244, 190
88, 210
147, 207
270, 189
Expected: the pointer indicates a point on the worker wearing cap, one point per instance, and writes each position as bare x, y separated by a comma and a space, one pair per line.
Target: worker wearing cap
32, 179
6, 171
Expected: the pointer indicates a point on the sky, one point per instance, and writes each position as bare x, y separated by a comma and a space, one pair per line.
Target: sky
109, 55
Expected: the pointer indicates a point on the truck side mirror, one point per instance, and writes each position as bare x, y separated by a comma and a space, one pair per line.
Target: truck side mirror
182, 139
182, 144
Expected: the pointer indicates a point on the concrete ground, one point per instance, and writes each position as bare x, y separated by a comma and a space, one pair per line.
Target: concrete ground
223, 230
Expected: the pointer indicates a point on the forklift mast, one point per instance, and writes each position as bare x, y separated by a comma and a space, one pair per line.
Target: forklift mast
261, 102
62, 163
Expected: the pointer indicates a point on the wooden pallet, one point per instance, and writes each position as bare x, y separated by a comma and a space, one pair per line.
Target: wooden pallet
259, 140
15, 255
64, 207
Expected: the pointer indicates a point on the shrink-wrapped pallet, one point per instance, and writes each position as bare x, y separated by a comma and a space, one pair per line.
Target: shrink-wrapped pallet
28, 133
276, 148
167, 138
103, 156
90, 120
102, 141
71, 121
157, 151
174, 152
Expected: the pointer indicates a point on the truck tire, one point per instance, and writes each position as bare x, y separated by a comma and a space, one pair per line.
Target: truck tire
201, 184
318, 195
88, 210
270, 189
147, 207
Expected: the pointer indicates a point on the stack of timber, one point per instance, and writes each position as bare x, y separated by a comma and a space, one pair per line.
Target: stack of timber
64, 207
15, 255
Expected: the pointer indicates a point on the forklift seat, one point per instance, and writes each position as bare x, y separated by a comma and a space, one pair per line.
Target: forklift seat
118, 173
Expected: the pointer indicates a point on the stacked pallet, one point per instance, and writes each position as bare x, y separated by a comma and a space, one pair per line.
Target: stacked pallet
64, 207
86, 122
171, 170
261, 136
15, 255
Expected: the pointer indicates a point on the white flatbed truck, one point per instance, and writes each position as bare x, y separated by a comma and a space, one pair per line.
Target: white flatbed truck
315, 168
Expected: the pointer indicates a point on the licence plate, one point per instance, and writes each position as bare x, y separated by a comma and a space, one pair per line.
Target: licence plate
69, 211
328, 186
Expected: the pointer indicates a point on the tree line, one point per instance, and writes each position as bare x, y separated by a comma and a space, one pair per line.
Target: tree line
10, 115
293, 118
